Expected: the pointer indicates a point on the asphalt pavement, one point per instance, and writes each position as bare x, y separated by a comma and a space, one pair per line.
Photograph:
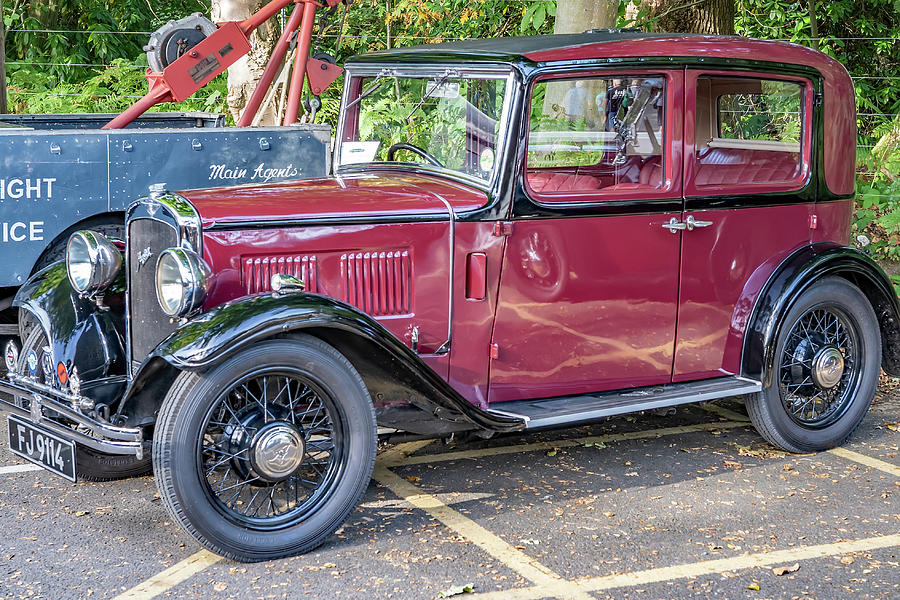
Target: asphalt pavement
690, 505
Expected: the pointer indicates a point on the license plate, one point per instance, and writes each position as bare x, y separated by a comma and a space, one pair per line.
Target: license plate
41, 447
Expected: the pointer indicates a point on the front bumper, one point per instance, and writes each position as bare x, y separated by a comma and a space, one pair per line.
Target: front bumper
47, 407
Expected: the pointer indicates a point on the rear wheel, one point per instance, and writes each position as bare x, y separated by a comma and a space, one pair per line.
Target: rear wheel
265, 455
828, 358
92, 465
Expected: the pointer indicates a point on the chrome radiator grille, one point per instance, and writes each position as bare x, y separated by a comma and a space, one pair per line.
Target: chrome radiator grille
149, 325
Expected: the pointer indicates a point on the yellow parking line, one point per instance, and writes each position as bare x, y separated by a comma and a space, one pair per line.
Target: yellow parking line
724, 412
867, 461
709, 567
171, 577
19, 469
552, 584
400, 459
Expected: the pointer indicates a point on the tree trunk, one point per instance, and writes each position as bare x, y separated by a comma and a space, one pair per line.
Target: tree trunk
715, 17
3, 108
576, 16
245, 73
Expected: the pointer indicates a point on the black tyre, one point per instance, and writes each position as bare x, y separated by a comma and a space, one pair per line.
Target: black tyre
827, 363
266, 454
90, 464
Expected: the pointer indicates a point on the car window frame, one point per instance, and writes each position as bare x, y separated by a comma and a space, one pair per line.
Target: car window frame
799, 183
672, 134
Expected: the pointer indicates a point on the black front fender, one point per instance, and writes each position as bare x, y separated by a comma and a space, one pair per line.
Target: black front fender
82, 332
221, 332
797, 273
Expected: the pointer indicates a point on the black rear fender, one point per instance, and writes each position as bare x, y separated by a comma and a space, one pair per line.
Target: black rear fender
394, 374
796, 274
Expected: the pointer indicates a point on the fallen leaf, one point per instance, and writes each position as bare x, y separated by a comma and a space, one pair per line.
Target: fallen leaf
551, 452
846, 560
609, 514
457, 590
779, 571
733, 464
413, 478
220, 586
754, 587
82, 513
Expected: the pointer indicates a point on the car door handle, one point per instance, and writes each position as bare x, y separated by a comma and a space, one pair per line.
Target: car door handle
674, 225
691, 223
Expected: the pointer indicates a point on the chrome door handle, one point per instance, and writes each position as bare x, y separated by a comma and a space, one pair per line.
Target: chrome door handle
674, 225
691, 223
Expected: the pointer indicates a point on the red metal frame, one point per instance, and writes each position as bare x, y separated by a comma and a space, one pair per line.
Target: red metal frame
229, 43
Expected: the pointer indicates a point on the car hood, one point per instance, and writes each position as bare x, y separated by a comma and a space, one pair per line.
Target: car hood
358, 196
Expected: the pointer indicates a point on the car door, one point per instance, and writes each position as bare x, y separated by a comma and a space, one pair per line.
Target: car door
589, 279
749, 194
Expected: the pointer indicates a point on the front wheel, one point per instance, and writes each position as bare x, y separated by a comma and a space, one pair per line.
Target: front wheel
265, 455
827, 363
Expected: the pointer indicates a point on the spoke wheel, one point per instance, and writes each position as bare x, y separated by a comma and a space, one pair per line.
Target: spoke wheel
264, 455
827, 362
271, 448
819, 373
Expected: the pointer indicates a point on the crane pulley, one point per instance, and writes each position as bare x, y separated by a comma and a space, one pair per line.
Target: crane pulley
186, 54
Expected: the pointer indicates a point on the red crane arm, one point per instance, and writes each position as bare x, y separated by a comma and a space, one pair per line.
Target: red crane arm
198, 65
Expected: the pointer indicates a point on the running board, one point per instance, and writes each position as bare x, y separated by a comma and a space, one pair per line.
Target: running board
570, 410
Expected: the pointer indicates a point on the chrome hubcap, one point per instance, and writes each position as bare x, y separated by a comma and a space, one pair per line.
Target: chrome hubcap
828, 367
277, 451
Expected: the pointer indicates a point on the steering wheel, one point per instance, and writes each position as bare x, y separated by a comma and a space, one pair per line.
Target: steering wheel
415, 150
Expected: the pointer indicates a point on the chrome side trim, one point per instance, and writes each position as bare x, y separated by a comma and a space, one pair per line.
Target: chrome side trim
569, 410
445, 347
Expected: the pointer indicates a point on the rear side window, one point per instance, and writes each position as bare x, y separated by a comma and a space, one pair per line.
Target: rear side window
596, 136
750, 131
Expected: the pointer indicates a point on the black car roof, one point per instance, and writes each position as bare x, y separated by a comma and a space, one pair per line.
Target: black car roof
503, 48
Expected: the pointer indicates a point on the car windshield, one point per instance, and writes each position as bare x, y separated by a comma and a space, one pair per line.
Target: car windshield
446, 121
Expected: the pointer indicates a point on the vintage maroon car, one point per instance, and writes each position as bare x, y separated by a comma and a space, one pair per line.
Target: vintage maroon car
520, 233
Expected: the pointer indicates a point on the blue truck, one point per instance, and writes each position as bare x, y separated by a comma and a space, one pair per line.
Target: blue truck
61, 173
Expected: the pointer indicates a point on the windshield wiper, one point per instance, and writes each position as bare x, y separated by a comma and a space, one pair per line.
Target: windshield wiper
427, 96
373, 87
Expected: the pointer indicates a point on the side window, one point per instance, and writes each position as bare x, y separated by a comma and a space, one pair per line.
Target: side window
596, 136
749, 131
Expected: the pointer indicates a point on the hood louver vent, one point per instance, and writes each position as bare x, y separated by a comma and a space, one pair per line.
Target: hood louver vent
378, 283
258, 271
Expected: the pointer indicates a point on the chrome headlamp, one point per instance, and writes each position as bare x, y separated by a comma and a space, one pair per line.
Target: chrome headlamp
92, 262
182, 281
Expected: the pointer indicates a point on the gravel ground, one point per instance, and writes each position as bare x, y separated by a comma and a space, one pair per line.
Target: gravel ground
676, 491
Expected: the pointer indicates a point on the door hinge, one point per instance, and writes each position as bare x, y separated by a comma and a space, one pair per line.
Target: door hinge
813, 221
818, 99
503, 228
495, 351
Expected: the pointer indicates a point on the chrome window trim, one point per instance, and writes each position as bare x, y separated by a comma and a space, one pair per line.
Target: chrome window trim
500, 72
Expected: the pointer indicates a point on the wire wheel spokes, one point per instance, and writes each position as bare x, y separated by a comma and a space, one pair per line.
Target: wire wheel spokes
819, 373
270, 405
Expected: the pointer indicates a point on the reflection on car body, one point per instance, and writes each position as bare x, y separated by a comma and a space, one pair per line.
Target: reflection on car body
494, 253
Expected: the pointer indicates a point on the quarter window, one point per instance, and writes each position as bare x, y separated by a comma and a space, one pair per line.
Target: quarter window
749, 131
595, 136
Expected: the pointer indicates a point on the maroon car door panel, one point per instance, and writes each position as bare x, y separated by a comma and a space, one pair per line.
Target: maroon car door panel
588, 292
745, 133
